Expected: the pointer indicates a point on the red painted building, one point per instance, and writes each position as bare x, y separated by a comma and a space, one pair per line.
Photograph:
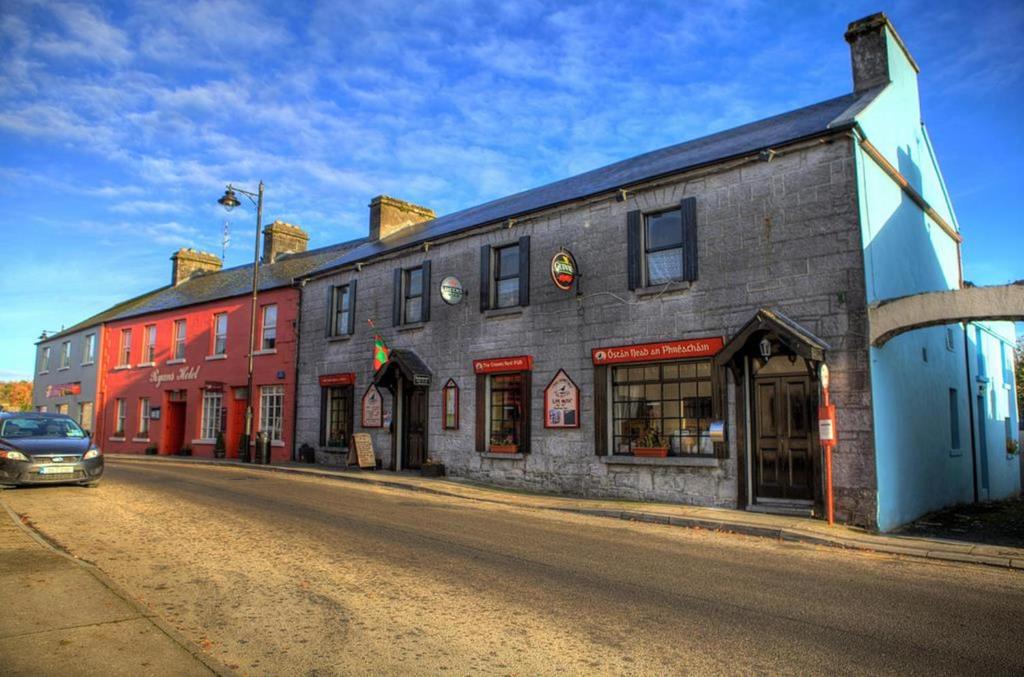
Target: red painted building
174, 368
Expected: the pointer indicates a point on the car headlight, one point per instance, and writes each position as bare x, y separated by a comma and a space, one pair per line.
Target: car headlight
13, 455
93, 452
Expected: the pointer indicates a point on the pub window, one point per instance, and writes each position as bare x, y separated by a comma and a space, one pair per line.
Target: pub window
505, 275
662, 246
89, 349
119, 417
44, 360
506, 411
65, 355
412, 297
143, 417
149, 344
272, 412
336, 419
62, 409
179, 339
85, 415
450, 405
662, 405
341, 309
126, 348
269, 340
220, 333
211, 421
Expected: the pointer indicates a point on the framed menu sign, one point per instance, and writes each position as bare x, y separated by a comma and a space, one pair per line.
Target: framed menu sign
373, 408
562, 402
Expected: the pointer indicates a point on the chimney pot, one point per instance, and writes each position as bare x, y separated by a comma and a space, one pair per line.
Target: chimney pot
389, 216
283, 238
187, 262
869, 51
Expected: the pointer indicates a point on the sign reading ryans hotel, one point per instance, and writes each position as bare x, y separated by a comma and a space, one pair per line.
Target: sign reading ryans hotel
497, 365
181, 374
655, 352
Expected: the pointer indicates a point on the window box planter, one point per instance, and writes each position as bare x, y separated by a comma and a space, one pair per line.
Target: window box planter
504, 448
651, 452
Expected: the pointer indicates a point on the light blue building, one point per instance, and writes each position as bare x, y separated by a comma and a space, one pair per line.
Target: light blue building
943, 396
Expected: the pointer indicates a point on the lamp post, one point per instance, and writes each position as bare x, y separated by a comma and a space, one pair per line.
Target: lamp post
229, 201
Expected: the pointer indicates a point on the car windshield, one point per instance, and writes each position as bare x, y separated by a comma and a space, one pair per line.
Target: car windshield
40, 427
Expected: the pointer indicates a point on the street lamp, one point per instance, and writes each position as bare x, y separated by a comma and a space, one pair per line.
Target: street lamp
230, 201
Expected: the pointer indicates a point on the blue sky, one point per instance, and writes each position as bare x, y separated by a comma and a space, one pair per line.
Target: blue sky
120, 123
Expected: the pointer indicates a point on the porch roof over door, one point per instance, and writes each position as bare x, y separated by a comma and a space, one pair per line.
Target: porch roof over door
790, 333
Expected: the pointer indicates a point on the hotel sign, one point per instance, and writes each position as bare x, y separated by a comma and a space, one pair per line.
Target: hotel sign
64, 389
655, 352
337, 379
182, 374
498, 365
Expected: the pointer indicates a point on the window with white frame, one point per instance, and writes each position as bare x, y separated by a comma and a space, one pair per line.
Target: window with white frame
44, 360
89, 349
65, 355
269, 340
272, 411
119, 417
211, 423
179, 340
149, 344
143, 417
220, 333
126, 348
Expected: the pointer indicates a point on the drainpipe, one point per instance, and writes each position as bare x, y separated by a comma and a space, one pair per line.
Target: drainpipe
295, 370
970, 413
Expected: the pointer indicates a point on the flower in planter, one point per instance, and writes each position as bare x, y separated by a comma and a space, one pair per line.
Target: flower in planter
1012, 446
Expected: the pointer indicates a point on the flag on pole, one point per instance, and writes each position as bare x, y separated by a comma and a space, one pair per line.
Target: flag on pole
381, 352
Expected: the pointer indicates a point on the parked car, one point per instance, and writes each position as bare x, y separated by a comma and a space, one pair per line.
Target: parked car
39, 448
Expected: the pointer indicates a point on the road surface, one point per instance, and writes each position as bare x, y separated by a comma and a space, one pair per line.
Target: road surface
278, 574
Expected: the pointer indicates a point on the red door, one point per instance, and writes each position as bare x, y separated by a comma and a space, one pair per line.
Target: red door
236, 427
174, 428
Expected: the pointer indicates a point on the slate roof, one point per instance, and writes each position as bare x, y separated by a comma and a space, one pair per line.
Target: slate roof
235, 281
100, 317
804, 123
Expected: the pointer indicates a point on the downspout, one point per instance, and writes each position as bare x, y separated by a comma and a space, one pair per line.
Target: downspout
299, 285
970, 413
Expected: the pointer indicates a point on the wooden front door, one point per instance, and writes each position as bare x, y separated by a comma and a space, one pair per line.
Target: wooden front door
414, 428
783, 463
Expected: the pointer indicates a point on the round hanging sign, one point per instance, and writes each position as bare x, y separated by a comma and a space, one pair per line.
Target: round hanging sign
563, 270
452, 290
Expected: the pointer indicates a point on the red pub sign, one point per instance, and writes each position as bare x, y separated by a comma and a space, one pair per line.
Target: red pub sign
499, 364
654, 352
337, 379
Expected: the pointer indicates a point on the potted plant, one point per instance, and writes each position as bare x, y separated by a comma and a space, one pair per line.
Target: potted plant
651, 444
432, 468
151, 450
185, 451
1012, 446
219, 450
503, 444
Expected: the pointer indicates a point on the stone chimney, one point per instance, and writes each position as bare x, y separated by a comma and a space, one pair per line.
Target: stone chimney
389, 216
875, 50
188, 262
283, 238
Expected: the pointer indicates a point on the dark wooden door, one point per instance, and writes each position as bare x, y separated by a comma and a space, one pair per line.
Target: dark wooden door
784, 463
415, 428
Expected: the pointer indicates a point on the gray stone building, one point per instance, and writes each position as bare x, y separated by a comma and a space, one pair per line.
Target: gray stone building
713, 280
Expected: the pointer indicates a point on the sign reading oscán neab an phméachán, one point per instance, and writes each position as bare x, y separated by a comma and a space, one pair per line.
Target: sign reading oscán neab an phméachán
654, 352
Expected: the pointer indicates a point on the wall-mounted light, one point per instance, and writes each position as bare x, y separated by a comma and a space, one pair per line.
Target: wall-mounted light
765, 346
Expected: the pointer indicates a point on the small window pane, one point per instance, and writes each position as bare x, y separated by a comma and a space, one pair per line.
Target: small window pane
670, 371
664, 266
508, 262
664, 230
414, 309
507, 293
415, 287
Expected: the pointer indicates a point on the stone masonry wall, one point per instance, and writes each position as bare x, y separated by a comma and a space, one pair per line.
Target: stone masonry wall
780, 234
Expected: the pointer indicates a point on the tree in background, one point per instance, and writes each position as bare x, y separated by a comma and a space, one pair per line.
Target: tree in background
16, 395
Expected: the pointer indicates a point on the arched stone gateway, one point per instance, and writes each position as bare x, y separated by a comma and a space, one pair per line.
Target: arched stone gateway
889, 319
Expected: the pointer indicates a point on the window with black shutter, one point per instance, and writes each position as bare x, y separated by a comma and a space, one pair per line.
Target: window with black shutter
412, 294
505, 275
662, 246
341, 309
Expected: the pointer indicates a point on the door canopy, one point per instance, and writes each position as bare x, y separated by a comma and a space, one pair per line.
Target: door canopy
779, 330
405, 364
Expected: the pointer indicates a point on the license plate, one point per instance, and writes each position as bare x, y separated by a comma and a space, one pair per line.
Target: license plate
56, 469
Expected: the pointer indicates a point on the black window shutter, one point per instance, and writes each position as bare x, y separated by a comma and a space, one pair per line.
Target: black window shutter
350, 396
689, 214
601, 410
427, 293
323, 416
351, 329
396, 307
330, 310
485, 277
524, 270
633, 225
481, 412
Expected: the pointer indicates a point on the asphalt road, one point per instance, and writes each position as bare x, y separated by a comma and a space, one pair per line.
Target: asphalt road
277, 574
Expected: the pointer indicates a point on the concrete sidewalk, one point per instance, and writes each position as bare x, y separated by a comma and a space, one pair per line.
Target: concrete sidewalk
717, 519
62, 616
